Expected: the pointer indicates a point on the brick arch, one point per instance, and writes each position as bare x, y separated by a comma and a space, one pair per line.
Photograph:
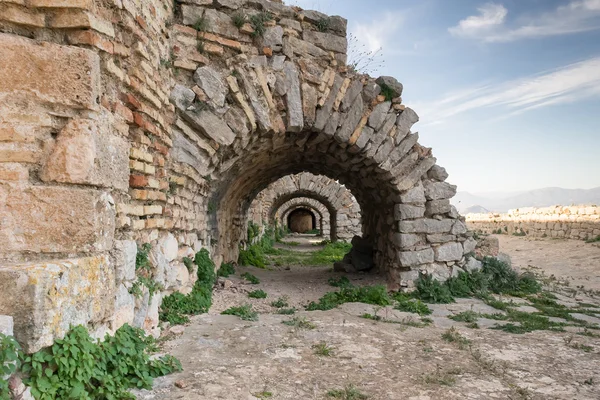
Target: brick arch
252, 119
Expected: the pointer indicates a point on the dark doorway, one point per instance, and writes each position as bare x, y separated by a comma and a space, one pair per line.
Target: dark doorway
301, 220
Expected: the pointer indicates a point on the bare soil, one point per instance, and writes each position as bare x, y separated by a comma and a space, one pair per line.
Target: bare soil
225, 357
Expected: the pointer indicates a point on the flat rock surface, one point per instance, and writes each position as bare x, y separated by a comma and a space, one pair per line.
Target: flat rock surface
401, 356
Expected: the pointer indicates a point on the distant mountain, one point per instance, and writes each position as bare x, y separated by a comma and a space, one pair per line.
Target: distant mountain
475, 210
465, 201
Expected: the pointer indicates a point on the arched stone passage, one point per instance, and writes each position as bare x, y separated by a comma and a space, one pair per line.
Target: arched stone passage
342, 207
317, 207
260, 118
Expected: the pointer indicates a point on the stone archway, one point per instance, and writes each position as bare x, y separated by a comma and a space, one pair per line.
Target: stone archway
299, 108
301, 220
317, 208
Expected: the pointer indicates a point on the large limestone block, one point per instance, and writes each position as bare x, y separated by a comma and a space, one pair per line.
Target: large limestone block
415, 258
46, 299
123, 258
86, 152
124, 307
326, 41
211, 82
55, 219
452, 251
439, 190
6, 325
211, 125
51, 73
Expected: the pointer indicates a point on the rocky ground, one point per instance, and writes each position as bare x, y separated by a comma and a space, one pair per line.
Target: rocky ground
338, 354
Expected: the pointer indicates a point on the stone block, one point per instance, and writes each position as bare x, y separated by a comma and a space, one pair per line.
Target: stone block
52, 73
392, 83
211, 82
124, 307
414, 195
406, 240
439, 190
326, 41
86, 152
123, 258
6, 325
452, 251
437, 207
469, 245
182, 97
426, 226
415, 258
169, 247
407, 211
473, 265
47, 299
56, 219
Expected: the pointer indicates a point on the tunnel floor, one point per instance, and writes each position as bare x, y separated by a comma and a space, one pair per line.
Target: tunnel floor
402, 356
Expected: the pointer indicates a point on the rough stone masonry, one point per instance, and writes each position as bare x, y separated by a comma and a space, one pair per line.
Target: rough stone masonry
128, 122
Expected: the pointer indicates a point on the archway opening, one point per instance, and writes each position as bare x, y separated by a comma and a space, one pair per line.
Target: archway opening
301, 220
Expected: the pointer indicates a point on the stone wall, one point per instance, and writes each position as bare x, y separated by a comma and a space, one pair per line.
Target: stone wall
125, 122
572, 222
342, 208
322, 213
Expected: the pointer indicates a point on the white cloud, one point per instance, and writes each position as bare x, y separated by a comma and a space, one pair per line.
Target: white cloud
490, 16
567, 84
491, 24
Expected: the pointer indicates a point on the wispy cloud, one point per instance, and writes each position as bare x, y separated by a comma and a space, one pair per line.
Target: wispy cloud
491, 24
567, 84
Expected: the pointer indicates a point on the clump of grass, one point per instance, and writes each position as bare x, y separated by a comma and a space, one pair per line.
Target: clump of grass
263, 395
527, 322
432, 291
331, 253
322, 349
226, 270
473, 325
201, 24
588, 333
350, 392
466, 316
251, 278
293, 244
453, 336
439, 377
239, 19
339, 282
323, 24
594, 240
376, 295
407, 304
299, 323
245, 312
387, 92
257, 294
286, 311
280, 302
258, 23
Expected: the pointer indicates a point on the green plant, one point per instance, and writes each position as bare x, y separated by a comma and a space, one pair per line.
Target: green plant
239, 19
201, 24
9, 362
350, 392
142, 261
313, 232
253, 231
212, 207
245, 312
594, 240
189, 264
263, 395
143, 270
342, 281
432, 291
439, 377
323, 24
405, 303
257, 294
466, 316
503, 279
520, 232
226, 270
376, 295
280, 302
258, 23
387, 92
453, 336
77, 367
286, 311
322, 349
251, 278
299, 323
176, 307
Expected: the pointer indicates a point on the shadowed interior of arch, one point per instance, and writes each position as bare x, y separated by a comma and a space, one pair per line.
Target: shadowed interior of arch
301, 220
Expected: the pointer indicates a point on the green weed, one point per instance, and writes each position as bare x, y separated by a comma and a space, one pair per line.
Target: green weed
226, 270
453, 336
257, 294
251, 278
350, 392
322, 349
299, 323
376, 295
245, 312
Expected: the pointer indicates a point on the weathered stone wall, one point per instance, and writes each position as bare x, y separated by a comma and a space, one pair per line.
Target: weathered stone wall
124, 122
342, 207
572, 222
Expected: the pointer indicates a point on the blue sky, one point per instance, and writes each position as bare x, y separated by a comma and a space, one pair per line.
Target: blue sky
508, 91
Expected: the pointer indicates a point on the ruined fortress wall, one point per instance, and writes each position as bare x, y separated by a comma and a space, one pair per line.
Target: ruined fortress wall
572, 222
132, 122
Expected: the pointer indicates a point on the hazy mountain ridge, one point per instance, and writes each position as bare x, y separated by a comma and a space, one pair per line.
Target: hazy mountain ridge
466, 202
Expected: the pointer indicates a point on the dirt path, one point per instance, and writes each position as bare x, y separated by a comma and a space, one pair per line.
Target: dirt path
572, 261
225, 357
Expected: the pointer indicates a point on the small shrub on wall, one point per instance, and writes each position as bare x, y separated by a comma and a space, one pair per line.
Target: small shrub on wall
9, 362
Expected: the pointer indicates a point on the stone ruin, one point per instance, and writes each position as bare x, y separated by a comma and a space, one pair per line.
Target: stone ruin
127, 122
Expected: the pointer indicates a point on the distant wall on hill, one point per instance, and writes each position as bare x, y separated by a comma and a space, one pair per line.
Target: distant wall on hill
573, 222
